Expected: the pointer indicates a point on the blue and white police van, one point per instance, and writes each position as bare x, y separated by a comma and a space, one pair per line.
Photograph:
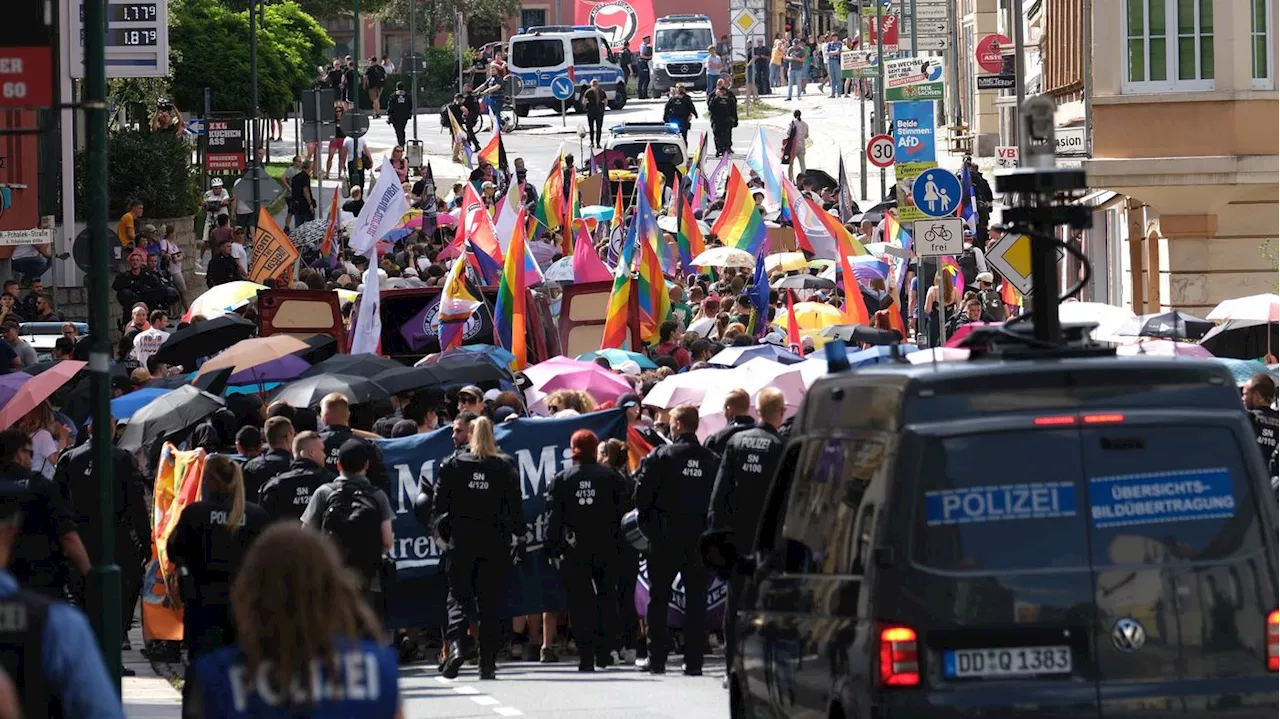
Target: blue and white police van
680, 45
538, 55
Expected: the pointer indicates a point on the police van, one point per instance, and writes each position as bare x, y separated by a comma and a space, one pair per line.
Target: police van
680, 54
538, 55
1069, 536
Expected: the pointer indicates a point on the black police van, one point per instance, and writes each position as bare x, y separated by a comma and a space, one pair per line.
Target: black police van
1067, 537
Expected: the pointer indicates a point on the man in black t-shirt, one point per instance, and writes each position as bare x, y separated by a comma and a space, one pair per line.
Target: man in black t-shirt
375, 76
300, 197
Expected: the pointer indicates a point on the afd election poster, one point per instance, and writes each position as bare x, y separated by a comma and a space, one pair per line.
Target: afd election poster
913, 132
540, 448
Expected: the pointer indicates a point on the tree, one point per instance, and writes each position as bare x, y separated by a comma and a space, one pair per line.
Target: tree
210, 47
321, 9
435, 16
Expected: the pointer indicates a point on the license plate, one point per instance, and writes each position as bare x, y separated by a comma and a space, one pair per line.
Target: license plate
1005, 662
529, 82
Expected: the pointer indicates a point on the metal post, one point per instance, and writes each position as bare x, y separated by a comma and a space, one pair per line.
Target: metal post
458, 41
297, 129
880, 106
953, 59
941, 298
253, 101
413, 65
1019, 71
355, 57
915, 33
862, 104
1088, 78
104, 578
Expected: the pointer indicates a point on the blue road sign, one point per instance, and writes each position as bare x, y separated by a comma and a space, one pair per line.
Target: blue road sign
936, 192
195, 126
562, 88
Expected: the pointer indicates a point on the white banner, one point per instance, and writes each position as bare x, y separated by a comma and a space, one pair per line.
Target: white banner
382, 211
368, 330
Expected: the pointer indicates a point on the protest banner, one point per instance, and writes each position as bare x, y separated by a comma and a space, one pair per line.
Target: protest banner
273, 253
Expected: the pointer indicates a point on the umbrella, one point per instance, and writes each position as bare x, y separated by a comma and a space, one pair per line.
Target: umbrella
862, 334
204, 339
879, 354
308, 391
960, 338
865, 269
224, 298
345, 296
1241, 339
176, 411
683, 388
1263, 308
125, 406
443, 219
938, 354
1163, 348
812, 316
274, 358
803, 282
820, 264
1109, 318
398, 233
724, 257
1166, 325
38, 367
560, 271
786, 261
736, 356
10, 383
616, 357
404, 380
319, 348
880, 249
564, 373
602, 213
361, 365
309, 233
36, 390
1243, 370
751, 377
461, 366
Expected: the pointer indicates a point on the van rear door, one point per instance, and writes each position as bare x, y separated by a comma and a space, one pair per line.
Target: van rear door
995, 585
301, 313
1184, 578
583, 311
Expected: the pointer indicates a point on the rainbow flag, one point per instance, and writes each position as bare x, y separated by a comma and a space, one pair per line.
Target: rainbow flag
651, 178
655, 303
329, 246
855, 310
689, 237
572, 208
550, 208
460, 138
616, 323
493, 152
509, 317
949, 265
618, 213
740, 224
894, 233
457, 302
793, 328
1011, 296
637, 448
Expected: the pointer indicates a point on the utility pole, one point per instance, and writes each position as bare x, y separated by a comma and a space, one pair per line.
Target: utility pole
413, 65
254, 10
915, 33
880, 106
1019, 70
103, 593
953, 60
459, 40
355, 57
855, 17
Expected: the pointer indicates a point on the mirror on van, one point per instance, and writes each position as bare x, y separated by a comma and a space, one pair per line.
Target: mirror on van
719, 553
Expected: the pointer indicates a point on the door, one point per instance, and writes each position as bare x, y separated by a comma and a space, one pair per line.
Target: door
1184, 578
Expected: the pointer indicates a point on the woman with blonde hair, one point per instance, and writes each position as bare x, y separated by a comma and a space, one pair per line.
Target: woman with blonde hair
570, 399
477, 500
49, 438
308, 644
208, 545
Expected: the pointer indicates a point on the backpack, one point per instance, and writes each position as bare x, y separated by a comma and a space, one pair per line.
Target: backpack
968, 262
992, 305
352, 519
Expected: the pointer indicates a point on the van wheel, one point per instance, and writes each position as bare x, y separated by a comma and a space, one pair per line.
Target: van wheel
522, 110
619, 98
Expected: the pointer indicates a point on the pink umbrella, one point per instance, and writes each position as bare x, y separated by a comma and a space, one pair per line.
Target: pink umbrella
964, 331
751, 376
564, 373
1163, 348
686, 388
38, 389
443, 219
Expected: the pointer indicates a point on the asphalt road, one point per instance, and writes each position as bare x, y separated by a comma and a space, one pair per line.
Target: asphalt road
559, 690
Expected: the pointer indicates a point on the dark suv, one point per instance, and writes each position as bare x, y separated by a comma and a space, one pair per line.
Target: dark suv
1051, 538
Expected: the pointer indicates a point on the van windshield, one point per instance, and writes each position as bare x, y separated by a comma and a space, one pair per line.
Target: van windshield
682, 39
543, 52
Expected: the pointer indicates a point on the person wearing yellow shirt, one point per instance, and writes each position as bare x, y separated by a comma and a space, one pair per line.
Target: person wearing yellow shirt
126, 230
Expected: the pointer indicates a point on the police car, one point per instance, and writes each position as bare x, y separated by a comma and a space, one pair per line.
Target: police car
1070, 536
680, 54
539, 55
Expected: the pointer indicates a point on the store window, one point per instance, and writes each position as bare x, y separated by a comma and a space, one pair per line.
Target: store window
1169, 45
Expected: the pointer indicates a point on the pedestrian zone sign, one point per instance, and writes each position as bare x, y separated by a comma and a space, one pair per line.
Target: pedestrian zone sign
936, 193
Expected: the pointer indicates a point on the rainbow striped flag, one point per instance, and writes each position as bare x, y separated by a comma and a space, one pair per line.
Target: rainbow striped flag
655, 303
493, 151
651, 178
329, 246
740, 225
616, 323
855, 310
949, 265
457, 302
894, 233
571, 210
509, 317
1011, 296
637, 448
688, 236
550, 207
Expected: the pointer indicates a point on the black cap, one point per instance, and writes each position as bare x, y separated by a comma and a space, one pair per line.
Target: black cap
629, 399
353, 454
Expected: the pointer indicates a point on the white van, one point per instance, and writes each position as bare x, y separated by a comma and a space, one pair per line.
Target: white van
538, 55
680, 54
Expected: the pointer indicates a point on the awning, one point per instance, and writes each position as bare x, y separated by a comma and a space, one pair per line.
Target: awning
1098, 198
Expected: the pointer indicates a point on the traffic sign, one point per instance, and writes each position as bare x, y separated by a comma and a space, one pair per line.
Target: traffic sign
354, 123
990, 51
26, 57
562, 88
1069, 141
938, 237
1011, 257
195, 126
880, 151
936, 192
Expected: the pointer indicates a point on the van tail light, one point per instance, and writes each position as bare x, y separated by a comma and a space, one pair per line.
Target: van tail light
1103, 418
899, 657
1054, 421
1273, 640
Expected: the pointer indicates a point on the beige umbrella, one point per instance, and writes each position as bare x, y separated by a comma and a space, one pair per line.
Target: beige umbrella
253, 352
724, 257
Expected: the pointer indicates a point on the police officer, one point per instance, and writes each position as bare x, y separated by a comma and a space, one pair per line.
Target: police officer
680, 110
335, 415
399, 111
750, 459
1259, 394
478, 501
286, 495
274, 461
586, 504
642, 67
208, 545
737, 405
722, 106
673, 490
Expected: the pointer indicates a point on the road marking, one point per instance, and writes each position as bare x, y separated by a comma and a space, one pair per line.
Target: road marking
485, 700
508, 711
464, 689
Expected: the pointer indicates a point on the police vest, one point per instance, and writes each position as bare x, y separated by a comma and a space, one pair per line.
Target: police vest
23, 617
364, 686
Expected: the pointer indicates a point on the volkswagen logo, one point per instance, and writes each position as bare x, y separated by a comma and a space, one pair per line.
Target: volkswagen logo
1128, 635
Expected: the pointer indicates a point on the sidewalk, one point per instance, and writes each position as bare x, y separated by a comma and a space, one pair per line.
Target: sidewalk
146, 696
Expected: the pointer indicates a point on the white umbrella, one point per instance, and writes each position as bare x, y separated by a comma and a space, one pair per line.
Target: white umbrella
678, 389
1259, 308
751, 377
880, 249
938, 354
1109, 318
724, 257
667, 223
811, 369
560, 271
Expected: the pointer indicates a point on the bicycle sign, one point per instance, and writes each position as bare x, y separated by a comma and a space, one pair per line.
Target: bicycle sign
938, 237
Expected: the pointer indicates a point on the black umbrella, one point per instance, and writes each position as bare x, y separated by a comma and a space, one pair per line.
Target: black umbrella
319, 349
308, 391
862, 334
204, 339
1242, 339
461, 368
361, 365
1166, 325
39, 367
403, 380
803, 282
174, 412
214, 382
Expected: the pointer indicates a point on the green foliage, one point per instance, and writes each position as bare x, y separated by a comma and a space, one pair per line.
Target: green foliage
210, 43
842, 8
154, 168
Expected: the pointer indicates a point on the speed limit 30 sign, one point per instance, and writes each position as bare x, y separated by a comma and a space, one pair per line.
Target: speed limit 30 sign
880, 151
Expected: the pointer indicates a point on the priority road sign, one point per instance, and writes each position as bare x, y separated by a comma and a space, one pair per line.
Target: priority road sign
936, 193
562, 88
880, 151
1011, 257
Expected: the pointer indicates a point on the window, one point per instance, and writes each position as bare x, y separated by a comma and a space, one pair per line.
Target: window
829, 515
537, 53
586, 51
1260, 18
533, 17
1169, 44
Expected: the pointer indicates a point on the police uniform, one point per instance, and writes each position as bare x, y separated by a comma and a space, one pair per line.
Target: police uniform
673, 491
287, 495
585, 515
399, 110
333, 438
365, 685
1265, 426
750, 459
480, 499
38, 562
723, 110
262, 468
718, 439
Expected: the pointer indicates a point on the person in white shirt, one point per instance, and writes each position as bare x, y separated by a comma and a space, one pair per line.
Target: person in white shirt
358, 160
173, 263
148, 341
797, 136
239, 252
